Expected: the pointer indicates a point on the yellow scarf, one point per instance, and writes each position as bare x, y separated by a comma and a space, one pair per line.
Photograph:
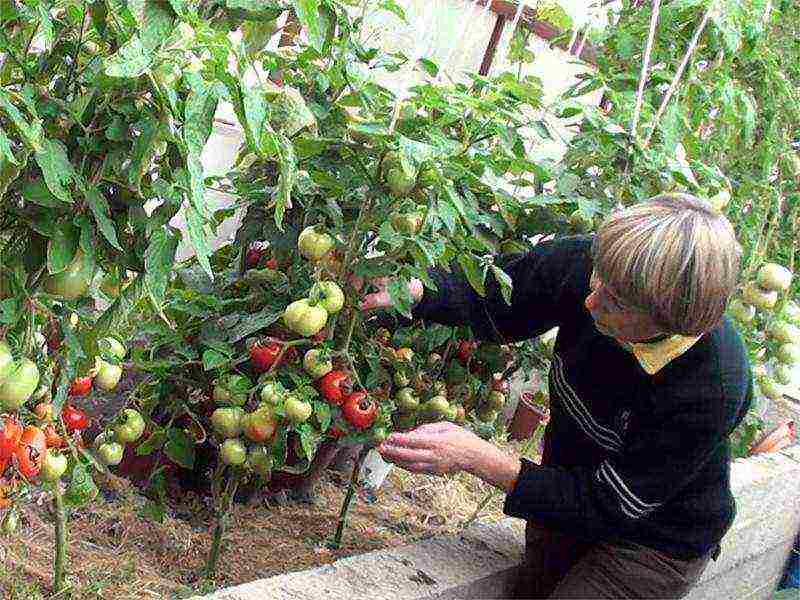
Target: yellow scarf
654, 356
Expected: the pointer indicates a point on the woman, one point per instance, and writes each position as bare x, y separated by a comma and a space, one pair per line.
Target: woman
647, 381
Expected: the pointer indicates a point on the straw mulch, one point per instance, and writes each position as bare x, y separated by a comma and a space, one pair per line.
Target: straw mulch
117, 553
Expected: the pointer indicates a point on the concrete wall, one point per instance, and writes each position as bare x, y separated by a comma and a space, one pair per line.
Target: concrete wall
480, 562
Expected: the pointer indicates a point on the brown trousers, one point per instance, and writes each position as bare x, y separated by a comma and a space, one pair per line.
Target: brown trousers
561, 566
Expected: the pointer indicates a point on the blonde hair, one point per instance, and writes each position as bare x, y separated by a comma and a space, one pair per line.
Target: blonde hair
674, 257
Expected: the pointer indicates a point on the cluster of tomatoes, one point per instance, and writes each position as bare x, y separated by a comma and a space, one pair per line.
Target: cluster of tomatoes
457, 389
36, 445
764, 308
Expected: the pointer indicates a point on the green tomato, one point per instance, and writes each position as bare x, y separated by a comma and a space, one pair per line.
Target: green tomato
53, 466
108, 375
783, 374
233, 452
763, 299
487, 414
131, 428
114, 347
788, 354
402, 379
329, 295
6, 362
271, 393
406, 400
437, 407
111, 453
408, 223
297, 411
429, 177
228, 422
791, 312
775, 277
579, 222
720, 200
259, 460
19, 386
742, 312
74, 281
405, 421
10, 523
303, 318
399, 183
496, 400
784, 332
379, 435
315, 365
314, 244
771, 389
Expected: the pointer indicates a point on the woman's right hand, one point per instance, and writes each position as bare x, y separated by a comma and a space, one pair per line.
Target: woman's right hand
382, 299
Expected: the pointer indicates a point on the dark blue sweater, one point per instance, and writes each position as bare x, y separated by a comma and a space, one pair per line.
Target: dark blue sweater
628, 456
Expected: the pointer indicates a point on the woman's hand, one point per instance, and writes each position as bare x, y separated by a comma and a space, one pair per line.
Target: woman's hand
444, 448
382, 299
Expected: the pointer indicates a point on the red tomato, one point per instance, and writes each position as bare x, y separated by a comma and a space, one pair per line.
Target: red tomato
253, 257
10, 433
263, 357
335, 386
272, 263
74, 418
80, 387
30, 452
465, 350
360, 410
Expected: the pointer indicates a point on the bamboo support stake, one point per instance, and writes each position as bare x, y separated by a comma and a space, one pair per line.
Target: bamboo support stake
645, 65
681, 68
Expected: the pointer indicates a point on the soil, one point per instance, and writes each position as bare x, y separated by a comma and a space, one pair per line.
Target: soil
116, 551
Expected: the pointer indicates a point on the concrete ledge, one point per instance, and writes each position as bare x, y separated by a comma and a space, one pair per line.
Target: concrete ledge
479, 563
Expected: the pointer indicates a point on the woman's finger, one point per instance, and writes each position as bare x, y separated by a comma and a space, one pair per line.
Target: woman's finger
376, 300
403, 454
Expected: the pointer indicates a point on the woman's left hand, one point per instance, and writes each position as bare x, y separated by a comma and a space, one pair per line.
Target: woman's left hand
444, 448
439, 448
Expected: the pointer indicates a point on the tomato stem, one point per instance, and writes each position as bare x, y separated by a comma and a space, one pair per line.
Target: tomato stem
224, 502
336, 543
59, 583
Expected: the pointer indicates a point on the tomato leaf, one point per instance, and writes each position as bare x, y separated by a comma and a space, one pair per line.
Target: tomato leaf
475, 271
62, 247
307, 12
158, 260
309, 439
213, 359
179, 448
506, 284
81, 488
102, 215
151, 444
58, 172
401, 297
130, 61
322, 412
9, 311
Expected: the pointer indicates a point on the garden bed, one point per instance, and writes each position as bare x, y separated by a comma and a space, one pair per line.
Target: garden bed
115, 552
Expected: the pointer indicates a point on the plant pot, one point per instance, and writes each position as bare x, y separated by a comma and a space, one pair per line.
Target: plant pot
527, 417
779, 438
